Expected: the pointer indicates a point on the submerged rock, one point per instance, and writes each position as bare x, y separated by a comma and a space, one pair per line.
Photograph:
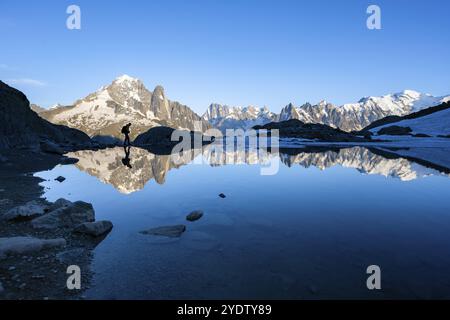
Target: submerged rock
27, 211
60, 179
194, 215
166, 231
222, 196
95, 229
68, 215
21, 245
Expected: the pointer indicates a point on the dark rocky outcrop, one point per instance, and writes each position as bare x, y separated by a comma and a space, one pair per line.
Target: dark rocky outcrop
158, 140
20, 126
415, 115
395, 131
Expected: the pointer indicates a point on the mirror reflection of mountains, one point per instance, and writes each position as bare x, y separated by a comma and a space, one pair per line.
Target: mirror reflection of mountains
109, 165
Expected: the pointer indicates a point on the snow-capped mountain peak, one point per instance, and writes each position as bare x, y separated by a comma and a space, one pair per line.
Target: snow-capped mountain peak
224, 117
125, 99
125, 78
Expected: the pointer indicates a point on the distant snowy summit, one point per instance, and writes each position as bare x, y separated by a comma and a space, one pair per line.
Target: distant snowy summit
126, 99
224, 117
348, 117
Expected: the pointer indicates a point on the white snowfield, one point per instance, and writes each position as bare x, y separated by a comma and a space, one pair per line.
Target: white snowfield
434, 124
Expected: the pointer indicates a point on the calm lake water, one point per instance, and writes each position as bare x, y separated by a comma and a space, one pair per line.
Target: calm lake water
309, 231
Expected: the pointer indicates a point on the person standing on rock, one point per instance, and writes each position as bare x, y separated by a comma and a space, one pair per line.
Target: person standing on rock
126, 132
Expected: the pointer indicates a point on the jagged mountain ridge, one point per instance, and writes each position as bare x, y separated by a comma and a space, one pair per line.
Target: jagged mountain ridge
126, 99
348, 117
225, 117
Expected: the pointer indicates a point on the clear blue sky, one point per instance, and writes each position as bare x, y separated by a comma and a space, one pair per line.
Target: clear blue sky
237, 52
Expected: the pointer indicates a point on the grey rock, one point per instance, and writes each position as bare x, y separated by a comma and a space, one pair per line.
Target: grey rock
60, 179
27, 211
166, 231
22, 245
194, 215
67, 216
60, 203
94, 229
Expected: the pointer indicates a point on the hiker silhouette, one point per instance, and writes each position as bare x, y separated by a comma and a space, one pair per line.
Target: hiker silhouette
127, 161
126, 132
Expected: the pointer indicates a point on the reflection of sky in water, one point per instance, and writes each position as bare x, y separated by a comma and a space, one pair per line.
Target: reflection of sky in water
273, 236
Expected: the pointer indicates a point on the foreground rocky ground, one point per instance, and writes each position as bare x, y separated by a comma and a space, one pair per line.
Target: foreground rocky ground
38, 239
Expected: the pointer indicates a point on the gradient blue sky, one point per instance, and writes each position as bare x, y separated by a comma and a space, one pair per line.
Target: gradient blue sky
236, 52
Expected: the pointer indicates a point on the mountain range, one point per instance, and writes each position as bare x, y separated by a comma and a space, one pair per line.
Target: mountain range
126, 99
347, 117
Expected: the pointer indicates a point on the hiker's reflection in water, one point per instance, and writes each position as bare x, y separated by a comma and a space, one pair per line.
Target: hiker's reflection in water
127, 161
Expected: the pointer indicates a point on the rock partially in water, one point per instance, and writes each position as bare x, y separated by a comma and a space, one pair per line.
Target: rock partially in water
194, 215
95, 229
50, 147
166, 231
222, 196
27, 211
22, 245
69, 215
60, 179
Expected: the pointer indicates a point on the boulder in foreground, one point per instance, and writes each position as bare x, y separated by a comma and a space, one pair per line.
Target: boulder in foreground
27, 211
21, 245
69, 215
